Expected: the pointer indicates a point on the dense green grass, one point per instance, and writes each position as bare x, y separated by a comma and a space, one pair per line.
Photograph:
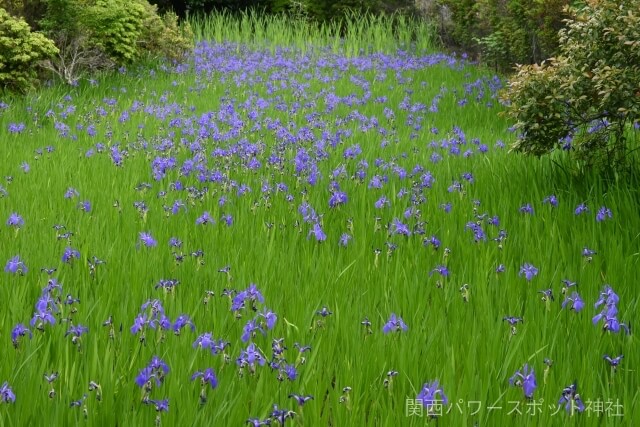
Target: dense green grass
465, 345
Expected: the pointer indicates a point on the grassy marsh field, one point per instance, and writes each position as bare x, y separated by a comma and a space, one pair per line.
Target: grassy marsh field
305, 215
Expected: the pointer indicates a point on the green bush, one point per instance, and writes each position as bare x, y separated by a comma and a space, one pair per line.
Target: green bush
586, 99
162, 36
20, 52
504, 32
115, 26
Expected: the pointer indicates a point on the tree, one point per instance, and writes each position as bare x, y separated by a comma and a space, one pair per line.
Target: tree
585, 100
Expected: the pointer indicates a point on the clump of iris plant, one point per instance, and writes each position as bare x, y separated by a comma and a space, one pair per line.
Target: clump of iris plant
388, 381
206, 341
609, 313
280, 416
247, 298
250, 359
526, 379
152, 316
152, 374
97, 388
50, 379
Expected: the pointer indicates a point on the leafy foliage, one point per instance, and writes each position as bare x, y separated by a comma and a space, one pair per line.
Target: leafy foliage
163, 36
20, 51
505, 32
585, 99
116, 26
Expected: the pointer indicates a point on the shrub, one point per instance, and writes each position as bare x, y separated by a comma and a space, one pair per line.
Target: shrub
162, 36
20, 52
115, 26
95, 35
586, 99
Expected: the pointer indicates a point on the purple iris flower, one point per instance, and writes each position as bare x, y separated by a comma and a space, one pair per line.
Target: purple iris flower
250, 357
324, 312
174, 242
270, 317
613, 361
290, 371
440, 269
580, 209
182, 321
526, 379
76, 331
159, 405
204, 219
394, 324
15, 265
257, 422
382, 202
15, 220
41, 318
551, 200
478, 232
397, 227
161, 321
204, 341
85, 206
607, 297
147, 240
432, 396
337, 198
70, 254
156, 370
6, 394
529, 271
280, 415
433, 241
139, 323
19, 331
603, 213
317, 232
512, 320
576, 302
250, 329
567, 284
344, 239
571, 399
527, 209
612, 324
301, 399
207, 376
